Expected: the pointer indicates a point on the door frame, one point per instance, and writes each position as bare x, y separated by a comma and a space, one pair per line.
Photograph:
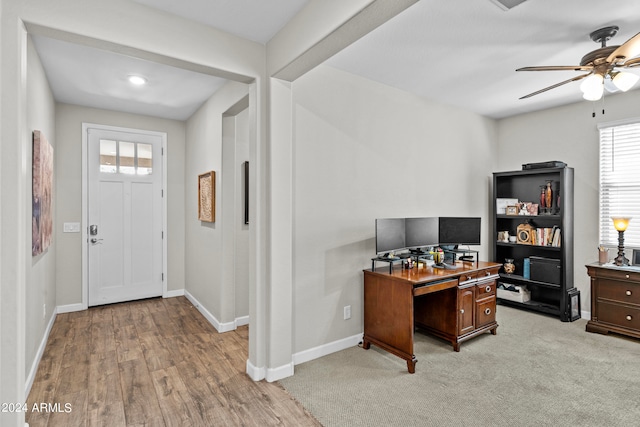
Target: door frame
85, 200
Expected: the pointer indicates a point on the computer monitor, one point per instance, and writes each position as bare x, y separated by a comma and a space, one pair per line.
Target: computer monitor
459, 231
390, 234
421, 232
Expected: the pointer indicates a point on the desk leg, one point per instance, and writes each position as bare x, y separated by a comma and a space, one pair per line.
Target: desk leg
366, 344
411, 365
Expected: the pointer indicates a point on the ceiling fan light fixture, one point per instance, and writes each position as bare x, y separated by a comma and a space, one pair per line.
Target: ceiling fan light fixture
625, 81
592, 87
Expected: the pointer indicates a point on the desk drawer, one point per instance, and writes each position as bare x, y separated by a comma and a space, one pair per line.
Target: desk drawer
485, 289
485, 311
434, 287
466, 278
488, 273
624, 292
619, 315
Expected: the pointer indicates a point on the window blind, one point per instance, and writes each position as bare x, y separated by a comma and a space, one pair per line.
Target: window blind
620, 181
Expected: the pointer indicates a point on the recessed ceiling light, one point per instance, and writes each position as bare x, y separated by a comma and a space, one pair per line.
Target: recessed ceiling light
137, 80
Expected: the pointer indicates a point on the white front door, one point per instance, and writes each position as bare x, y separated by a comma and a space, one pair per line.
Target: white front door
124, 192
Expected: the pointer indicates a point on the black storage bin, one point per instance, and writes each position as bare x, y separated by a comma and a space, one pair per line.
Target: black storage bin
546, 270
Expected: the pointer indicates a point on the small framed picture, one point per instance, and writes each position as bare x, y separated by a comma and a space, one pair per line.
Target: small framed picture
207, 197
635, 259
501, 205
512, 210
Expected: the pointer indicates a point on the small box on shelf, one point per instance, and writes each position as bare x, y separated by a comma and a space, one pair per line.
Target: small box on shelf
513, 292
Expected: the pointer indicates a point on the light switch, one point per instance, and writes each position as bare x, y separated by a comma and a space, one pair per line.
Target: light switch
71, 227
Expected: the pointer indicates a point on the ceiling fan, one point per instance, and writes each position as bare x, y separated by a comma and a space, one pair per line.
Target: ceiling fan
604, 66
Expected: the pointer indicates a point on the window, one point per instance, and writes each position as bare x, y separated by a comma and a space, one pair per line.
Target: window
620, 181
126, 157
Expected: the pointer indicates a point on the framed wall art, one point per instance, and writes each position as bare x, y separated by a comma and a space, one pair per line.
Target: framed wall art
245, 166
207, 197
42, 194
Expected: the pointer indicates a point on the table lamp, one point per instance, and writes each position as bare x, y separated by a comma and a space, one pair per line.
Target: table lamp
621, 224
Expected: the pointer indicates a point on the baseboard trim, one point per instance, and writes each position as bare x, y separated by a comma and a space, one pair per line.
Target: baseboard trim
70, 308
255, 373
275, 374
36, 361
241, 321
325, 349
175, 293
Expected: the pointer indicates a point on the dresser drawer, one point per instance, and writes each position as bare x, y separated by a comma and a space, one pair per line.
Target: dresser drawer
619, 315
610, 273
486, 289
614, 290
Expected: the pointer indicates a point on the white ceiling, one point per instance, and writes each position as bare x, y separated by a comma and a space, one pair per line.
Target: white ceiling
462, 53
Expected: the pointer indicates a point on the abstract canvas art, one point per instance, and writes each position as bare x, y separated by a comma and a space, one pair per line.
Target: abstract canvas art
207, 197
42, 194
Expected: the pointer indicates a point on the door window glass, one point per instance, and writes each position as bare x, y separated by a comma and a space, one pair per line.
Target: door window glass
127, 157
145, 159
108, 156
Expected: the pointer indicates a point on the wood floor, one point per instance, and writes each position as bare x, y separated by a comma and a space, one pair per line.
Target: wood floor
155, 362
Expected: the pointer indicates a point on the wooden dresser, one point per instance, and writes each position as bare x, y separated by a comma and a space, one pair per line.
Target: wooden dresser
455, 305
615, 300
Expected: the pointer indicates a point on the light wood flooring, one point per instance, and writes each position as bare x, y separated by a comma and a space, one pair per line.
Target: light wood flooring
155, 362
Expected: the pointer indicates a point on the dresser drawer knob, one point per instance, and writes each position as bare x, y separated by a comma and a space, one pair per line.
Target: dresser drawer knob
628, 293
488, 288
626, 275
629, 317
462, 311
487, 311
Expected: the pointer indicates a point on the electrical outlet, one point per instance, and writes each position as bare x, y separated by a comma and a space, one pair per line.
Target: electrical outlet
347, 312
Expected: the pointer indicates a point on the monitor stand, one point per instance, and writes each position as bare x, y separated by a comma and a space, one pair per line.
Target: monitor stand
444, 266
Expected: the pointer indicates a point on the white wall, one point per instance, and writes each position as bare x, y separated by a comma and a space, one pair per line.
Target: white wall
69, 119
40, 270
204, 241
362, 151
568, 134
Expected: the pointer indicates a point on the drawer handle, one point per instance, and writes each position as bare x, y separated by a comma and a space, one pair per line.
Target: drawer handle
468, 277
628, 293
488, 288
462, 311
487, 311
626, 275
629, 317
487, 273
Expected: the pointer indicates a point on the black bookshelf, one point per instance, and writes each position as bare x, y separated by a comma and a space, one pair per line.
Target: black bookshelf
525, 186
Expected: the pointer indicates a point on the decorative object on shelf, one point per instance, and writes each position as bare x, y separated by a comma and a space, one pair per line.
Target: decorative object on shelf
603, 254
532, 209
509, 266
526, 268
501, 205
621, 224
503, 236
548, 197
512, 210
524, 233
543, 204
513, 239
207, 197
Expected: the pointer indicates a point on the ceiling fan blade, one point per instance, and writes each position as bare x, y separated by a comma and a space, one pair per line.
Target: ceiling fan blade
558, 68
556, 85
629, 49
631, 63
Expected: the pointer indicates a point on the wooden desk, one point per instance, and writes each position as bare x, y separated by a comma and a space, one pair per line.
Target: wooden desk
455, 305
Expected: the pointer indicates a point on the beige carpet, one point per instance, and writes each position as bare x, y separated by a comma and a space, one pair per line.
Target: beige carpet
537, 371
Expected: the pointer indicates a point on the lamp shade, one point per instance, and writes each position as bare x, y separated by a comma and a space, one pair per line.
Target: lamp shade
620, 223
625, 81
592, 87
